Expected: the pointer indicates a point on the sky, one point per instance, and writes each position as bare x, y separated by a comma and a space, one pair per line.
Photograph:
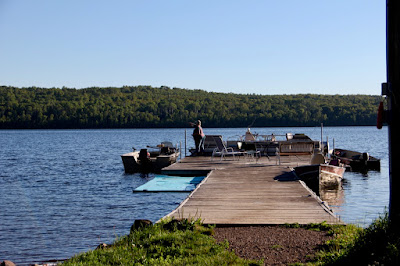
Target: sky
260, 47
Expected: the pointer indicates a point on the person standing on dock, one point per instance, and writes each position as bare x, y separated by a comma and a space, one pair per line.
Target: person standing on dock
198, 136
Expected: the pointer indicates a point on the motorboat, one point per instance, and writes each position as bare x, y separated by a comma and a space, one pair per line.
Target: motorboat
320, 177
209, 146
359, 162
265, 145
150, 159
270, 144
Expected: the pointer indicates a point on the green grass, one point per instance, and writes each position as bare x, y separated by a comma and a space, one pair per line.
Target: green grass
188, 242
377, 244
166, 243
344, 238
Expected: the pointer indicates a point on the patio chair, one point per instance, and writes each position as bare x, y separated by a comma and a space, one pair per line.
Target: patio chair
251, 151
222, 150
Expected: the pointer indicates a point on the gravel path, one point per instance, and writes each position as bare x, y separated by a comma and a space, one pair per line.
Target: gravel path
276, 245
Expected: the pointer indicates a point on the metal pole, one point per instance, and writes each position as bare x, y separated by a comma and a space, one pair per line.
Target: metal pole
322, 128
393, 112
327, 145
185, 142
180, 150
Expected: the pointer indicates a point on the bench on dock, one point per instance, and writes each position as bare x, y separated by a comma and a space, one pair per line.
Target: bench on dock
289, 148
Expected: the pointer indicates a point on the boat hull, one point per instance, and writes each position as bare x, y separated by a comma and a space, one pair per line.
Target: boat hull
154, 164
356, 161
330, 176
320, 176
130, 162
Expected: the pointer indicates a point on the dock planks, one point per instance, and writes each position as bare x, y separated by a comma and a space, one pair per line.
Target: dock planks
249, 192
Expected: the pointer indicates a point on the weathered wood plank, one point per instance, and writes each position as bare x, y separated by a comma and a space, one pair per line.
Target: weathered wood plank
243, 192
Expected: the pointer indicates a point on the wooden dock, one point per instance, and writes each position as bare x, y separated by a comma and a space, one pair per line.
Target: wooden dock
249, 192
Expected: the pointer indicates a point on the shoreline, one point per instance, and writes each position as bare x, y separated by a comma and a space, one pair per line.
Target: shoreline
183, 128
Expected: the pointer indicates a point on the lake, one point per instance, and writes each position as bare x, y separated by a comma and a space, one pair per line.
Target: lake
65, 191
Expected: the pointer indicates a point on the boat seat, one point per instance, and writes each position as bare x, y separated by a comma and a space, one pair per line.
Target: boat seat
318, 158
290, 148
167, 144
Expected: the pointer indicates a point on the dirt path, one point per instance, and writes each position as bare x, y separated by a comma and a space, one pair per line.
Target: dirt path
275, 244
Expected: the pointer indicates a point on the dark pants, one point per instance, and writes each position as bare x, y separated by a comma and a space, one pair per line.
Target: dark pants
199, 142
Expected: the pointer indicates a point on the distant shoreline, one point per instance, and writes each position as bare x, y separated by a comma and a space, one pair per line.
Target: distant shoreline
163, 107
6, 129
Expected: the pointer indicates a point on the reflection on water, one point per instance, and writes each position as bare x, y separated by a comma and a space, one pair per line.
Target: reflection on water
334, 197
359, 200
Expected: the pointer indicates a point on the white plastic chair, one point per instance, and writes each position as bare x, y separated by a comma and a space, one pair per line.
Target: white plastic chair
222, 150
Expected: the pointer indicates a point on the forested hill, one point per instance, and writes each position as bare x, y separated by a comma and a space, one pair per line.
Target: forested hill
145, 106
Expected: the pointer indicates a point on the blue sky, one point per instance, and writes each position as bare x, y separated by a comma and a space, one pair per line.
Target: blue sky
262, 47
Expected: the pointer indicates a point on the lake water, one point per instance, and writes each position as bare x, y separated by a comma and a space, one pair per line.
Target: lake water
64, 191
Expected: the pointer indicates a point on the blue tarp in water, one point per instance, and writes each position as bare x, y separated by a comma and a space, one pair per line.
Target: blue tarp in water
165, 183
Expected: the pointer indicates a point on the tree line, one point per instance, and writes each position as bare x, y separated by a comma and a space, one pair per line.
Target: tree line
146, 106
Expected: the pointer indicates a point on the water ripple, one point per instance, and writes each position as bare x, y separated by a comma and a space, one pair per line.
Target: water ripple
64, 191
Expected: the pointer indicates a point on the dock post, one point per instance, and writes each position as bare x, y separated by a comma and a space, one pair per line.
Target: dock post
393, 94
322, 140
185, 142
327, 145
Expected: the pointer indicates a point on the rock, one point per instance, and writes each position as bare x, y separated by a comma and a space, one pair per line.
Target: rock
7, 263
102, 246
140, 224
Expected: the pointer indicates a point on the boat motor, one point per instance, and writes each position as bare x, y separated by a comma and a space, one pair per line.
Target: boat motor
144, 155
365, 158
144, 160
165, 150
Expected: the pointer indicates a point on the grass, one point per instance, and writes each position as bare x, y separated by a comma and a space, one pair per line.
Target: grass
377, 244
188, 242
276, 246
170, 242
